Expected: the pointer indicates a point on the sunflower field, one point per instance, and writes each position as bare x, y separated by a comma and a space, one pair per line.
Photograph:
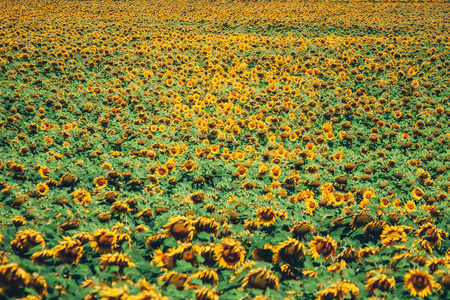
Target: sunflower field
169, 149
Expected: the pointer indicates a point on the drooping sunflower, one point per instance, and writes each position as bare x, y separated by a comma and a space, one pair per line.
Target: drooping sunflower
12, 276
116, 259
207, 276
261, 279
266, 216
186, 252
379, 281
290, 252
40, 257
206, 294
103, 240
25, 240
229, 253
392, 235
320, 245
431, 234
180, 228
419, 283
67, 179
180, 280
69, 251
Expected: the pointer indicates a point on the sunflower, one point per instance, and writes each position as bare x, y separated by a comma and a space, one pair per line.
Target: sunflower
207, 276
100, 182
320, 245
206, 294
266, 216
379, 281
17, 169
189, 165
410, 206
180, 280
419, 283
392, 235
40, 257
69, 251
180, 228
261, 279
229, 253
67, 179
26, 239
434, 264
44, 171
103, 240
162, 171
417, 193
81, 196
12, 276
275, 171
186, 252
290, 252
310, 205
434, 236
116, 259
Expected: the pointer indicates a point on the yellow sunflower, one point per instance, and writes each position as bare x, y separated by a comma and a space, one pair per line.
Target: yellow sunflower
320, 245
392, 235
69, 251
290, 252
229, 253
26, 239
266, 216
100, 182
103, 240
116, 259
419, 283
379, 281
261, 279
180, 228
275, 171
417, 193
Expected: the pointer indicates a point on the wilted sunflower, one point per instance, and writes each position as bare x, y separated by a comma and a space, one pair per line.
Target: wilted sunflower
180, 280
302, 229
290, 252
229, 253
207, 276
432, 234
67, 179
186, 252
25, 240
180, 228
419, 283
266, 216
320, 245
103, 240
379, 281
40, 257
69, 251
206, 294
261, 279
392, 235
12, 276
209, 225
116, 259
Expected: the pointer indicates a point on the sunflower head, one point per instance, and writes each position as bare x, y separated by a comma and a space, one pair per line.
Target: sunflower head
69, 251
103, 240
261, 279
180, 228
290, 252
207, 276
229, 253
322, 246
266, 216
419, 283
186, 252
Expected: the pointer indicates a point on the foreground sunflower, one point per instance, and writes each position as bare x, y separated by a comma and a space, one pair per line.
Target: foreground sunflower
320, 245
229, 254
419, 283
